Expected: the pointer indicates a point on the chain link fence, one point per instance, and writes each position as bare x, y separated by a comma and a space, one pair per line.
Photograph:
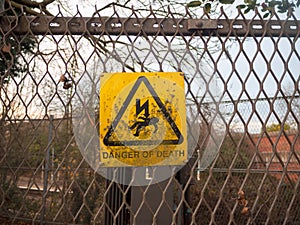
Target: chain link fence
242, 102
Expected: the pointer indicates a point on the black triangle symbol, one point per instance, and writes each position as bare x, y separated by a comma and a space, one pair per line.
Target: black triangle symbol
179, 138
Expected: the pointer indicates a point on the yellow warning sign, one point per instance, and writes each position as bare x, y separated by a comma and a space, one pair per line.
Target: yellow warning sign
142, 119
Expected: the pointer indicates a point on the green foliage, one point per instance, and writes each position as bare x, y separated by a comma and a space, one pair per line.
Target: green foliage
13, 200
226, 1
236, 151
267, 6
13, 49
23, 159
277, 127
207, 7
194, 4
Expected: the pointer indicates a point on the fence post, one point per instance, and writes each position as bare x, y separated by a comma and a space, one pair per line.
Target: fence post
183, 176
46, 168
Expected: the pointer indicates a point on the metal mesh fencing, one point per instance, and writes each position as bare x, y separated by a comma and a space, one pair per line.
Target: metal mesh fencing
242, 102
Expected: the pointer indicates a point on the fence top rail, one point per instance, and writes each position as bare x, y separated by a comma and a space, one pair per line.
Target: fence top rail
50, 25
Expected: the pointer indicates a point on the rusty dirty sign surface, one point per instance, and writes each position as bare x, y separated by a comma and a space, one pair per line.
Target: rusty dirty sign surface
142, 119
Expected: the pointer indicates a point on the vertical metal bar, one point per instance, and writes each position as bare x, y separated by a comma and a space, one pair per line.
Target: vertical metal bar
114, 198
183, 176
2, 2
107, 200
46, 169
52, 164
120, 198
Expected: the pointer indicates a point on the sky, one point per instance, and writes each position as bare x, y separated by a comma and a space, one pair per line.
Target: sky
250, 51
87, 8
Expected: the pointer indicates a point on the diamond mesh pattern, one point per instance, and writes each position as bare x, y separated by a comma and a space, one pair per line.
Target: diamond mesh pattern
242, 92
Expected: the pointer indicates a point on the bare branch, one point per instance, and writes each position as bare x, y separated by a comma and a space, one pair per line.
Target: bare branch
35, 4
26, 9
28, 6
93, 40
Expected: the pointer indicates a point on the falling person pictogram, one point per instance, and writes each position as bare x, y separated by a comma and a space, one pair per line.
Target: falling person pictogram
139, 125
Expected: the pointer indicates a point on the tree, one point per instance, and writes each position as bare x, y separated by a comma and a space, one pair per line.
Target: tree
277, 127
11, 64
14, 47
28, 6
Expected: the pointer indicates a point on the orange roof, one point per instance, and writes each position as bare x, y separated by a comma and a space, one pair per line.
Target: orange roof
277, 141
